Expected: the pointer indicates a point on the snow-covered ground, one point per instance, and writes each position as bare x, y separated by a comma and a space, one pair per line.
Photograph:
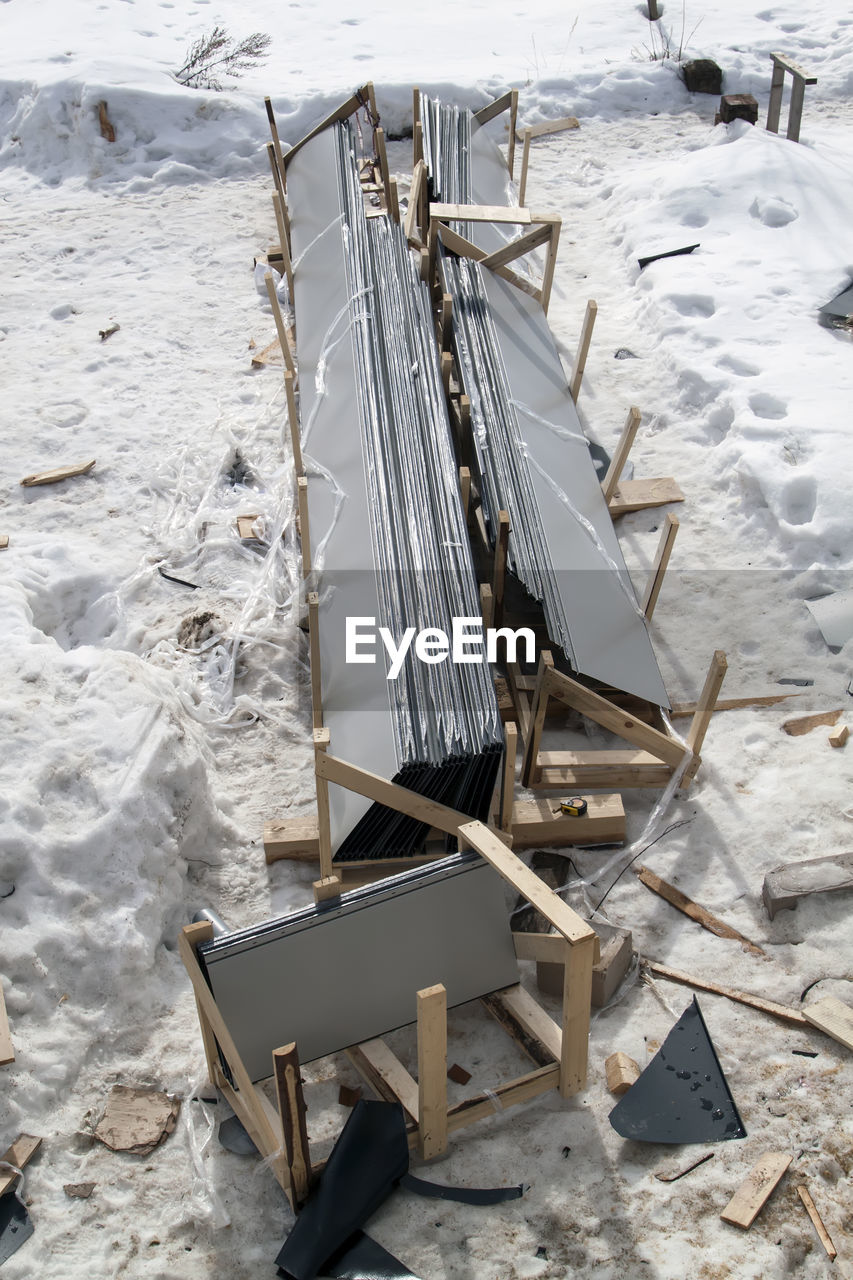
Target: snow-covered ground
151, 728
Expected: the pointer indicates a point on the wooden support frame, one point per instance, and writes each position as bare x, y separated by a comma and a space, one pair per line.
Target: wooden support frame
620, 453
545, 230
413, 223
547, 127
304, 526
634, 495
662, 555
782, 64
655, 753
284, 239
364, 97
559, 1050
506, 102
583, 348
283, 339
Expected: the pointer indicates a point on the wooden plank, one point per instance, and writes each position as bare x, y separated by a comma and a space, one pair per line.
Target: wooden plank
464, 248
520, 699
638, 495
514, 1006
58, 473
432, 1071
499, 567
577, 1001
377, 1063
291, 1107
804, 724
840, 736
621, 1072
692, 909
620, 453
547, 127
506, 1095
276, 141
756, 1189
733, 704
833, 1017
530, 763
707, 701
297, 839
550, 263
410, 222
342, 112
662, 555
544, 948
492, 109
524, 243
284, 240
7, 1049
315, 661
513, 120
526, 882
480, 213
611, 717
817, 1222
781, 1011
787, 64
304, 524
279, 322
465, 488
19, 1156
508, 777
293, 421
583, 348
579, 770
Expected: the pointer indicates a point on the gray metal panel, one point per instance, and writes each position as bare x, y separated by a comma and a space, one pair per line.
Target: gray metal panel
332, 977
609, 636
320, 287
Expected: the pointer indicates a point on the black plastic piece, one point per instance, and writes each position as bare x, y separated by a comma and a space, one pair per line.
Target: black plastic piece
462, 1195
15, 1225
682, 1096
233, 1136
673, 253
363, 1259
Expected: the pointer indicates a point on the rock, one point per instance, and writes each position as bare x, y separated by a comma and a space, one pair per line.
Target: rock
702, 76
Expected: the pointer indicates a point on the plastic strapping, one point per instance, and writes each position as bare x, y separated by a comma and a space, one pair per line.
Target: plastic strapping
319, 236
494, 1099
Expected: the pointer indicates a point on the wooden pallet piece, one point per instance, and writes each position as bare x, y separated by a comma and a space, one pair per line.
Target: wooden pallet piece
782, 64
833, 1017
756, 1189
817, 1222
58, 473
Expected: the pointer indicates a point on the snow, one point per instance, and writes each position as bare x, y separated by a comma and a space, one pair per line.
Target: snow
146, 747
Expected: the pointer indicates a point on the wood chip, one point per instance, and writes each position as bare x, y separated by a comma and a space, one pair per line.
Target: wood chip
458, 1074
107, 130
79, 1190
137, 1120
60, 473
832, 1016
756, 1189
18, 1155
804, 724
621, 1072
840, 736
4, 541
348, 1097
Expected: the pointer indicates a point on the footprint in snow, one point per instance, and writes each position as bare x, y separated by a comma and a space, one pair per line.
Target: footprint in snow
767, 406
693, 304
799, 500
742, 368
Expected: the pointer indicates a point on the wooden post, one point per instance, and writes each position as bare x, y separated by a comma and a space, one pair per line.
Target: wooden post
653, 11
314, 655
276, 176
432, 1071
465, 488
195, 934
513, 121
304, 529
291, 1109
417, 128
293, 419
276, 143
577, 998
583, 348
795, 108
415, 231
487, 605
279, 323
499, 572
445, 321
538, 707
525, 160
285, 244
550, 262
707, 699
446, 369
620, 456
322, 738
774, 106
382, 156
508, 776
664, 551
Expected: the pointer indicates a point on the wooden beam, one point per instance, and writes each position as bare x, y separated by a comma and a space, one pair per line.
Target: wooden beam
419, 176
382, 157
276, 141
432, 1071
662, 555
620, 454
276, 176
707, 701
524, 243
480, 213
817, 1222
537, 823
293, 421
544, 948
464, 248
639, 495
596, 770
465, 488
384, 1072
833, 1017
297, 839
278, 209
526, 882
314, 658
342, 112
507, 796
525, 161
692, 909
781, 1011
291, 1110
534, 1022
611, 717
550, 263
304, 525
756, 1189
279, 322
525, 1087
7, 1049
680, 709
513, 122
787, 64
577, 999
487, 605
547, 127
583, 348
322, 738
538, 707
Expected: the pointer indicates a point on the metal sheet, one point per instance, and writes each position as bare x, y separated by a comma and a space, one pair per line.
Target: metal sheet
332, 976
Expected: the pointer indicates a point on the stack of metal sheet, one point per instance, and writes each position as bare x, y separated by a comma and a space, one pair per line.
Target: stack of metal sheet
386, 521
532, 457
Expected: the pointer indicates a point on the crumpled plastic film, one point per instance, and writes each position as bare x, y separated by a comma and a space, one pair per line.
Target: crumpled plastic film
19, 1186
198, 1124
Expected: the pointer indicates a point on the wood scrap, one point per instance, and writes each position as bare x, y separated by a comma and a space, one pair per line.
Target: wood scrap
7, 1049
246, 527
756, 1189
775, 1010
4, 541
621, 1072
458, 1074
733, 704
804, 724
271, 354
79, 1190
692, 909
840, 736
103, 334
348, 1097
817, 1222
833, 1017
673, 1177
107, 130
59, 473
137, 1120
18, 1156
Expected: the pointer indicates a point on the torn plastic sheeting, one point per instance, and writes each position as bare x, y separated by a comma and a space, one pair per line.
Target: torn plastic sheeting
683, 1095
369, 1158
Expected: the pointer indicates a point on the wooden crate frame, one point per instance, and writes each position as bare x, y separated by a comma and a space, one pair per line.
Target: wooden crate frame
560, 1051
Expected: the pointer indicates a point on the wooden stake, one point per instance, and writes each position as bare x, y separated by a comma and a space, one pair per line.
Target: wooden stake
291, 1109
314, 653
692, 909
276, 176
445, 332
321, 745
293, 421
508, 776
465, 488
304, 527
432, 1071
279, 322
393, 201
583, 348
817, 1222
279, 158
413, 227
620, 455
525, 160
707, 700
656, 577
756, 1189
285, 246
513, 123
499, 571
